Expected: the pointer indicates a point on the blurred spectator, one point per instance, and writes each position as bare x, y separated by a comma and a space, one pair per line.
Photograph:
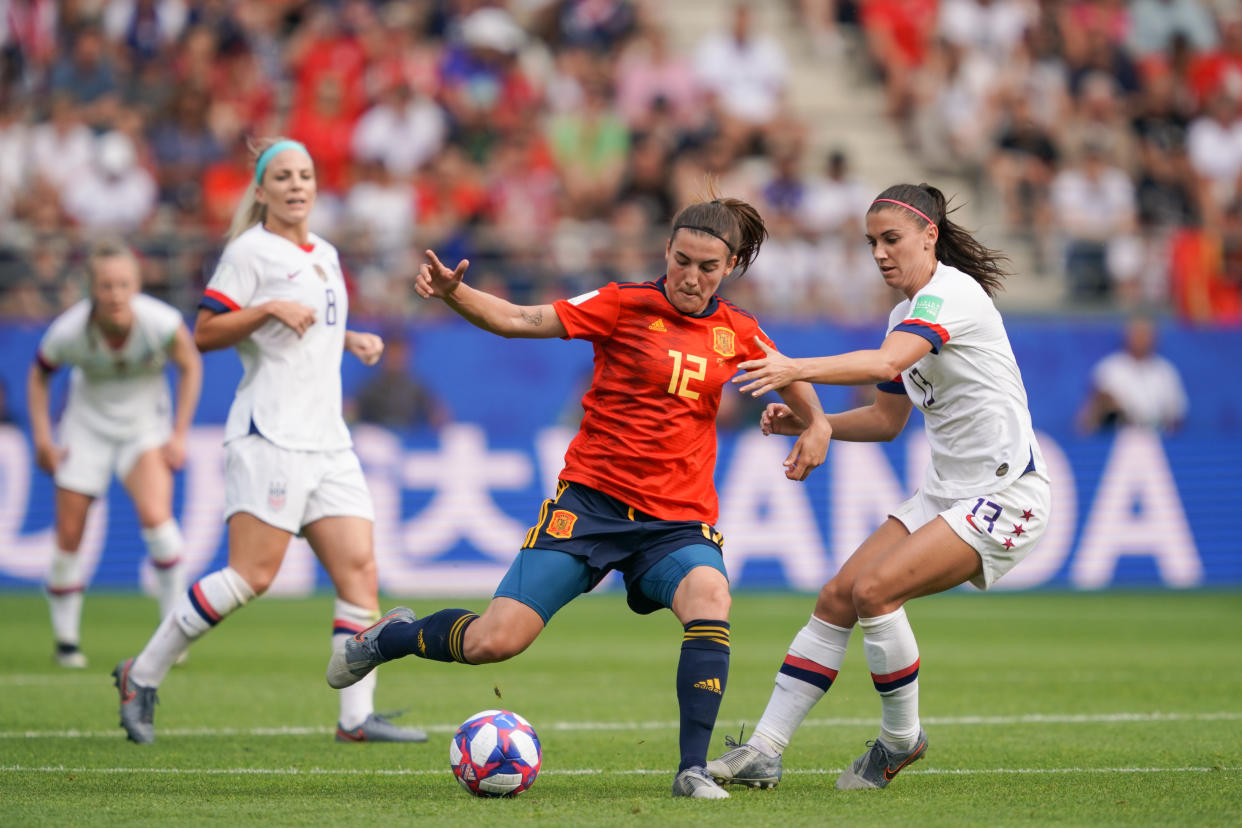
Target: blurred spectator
224, 183
1154, 24
589, 147
184, 146
394, 397
86, 74
1135, 386
958, 112
898, 35
598, 25
745, 69
1093, 201
523, 191
325, 125
1214, 141
992, 28
649, 75
382, 207
647, 179
484, 89
114, 194
1022, 169
403, 130
61, 146
145, 27
15, 148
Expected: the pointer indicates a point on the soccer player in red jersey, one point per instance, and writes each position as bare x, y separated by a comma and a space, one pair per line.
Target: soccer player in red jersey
636, 494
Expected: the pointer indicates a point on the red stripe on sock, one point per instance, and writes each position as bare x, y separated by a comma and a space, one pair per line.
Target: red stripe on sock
887, 677
807, 664
204, 603
342, 624
165, 564
51, 590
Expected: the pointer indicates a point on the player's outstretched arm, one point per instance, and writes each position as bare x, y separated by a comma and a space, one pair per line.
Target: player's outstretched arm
189, 364
213, 331
899, 351
811, 448
47, 455
368, 347
482, 309
879, 422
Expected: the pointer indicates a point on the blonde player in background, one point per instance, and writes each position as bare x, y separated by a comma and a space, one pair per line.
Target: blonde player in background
278, 296
118, 420
984, 503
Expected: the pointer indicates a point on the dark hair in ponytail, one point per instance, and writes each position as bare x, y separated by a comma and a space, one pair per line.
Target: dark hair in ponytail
731, 220
955, 246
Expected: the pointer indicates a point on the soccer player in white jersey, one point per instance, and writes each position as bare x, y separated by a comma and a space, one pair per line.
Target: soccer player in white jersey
985, 499
278, 296
118, 420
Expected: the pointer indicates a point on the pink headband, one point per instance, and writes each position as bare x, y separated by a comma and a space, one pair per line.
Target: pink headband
919, 213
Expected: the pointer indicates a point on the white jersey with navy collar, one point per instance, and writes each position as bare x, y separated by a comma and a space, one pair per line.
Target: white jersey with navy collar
968, 387
290, 391
118, 391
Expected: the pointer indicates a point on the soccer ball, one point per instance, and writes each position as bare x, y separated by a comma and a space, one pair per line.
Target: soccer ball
495, 753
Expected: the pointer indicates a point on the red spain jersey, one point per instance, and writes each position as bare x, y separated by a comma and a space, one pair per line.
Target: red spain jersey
648, 433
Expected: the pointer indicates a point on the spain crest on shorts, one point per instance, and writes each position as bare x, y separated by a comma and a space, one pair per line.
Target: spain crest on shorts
724, 341
561, 524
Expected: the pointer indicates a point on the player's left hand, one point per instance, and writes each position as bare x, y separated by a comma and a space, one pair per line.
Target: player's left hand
366, 346
809, 451
773, 372
174, 451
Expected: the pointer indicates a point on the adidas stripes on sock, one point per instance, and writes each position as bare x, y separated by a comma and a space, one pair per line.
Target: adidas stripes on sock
357, 700
195, 611
440, 636
809, 668
65, 589
893, 658
702, 673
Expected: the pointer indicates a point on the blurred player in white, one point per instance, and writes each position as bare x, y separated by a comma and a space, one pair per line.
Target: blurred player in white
118, 420
278, 296
985, 499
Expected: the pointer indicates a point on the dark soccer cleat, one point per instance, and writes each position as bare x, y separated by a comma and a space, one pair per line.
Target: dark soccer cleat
877, 767
378, 729
359, 654
137, 705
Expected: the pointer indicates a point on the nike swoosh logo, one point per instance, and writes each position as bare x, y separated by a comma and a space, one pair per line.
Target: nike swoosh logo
127, 695
889, 773
971, 520
294, 273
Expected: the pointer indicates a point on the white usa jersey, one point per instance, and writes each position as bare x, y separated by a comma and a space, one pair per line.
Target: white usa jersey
117, 391
968, 388
290, 391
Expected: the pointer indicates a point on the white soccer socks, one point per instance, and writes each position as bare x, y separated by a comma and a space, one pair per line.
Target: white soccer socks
893, 658
64, 596
810, 666
164, 548
193, 613
357, 700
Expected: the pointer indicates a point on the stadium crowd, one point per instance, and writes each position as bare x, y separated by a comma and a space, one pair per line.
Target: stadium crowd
551, 140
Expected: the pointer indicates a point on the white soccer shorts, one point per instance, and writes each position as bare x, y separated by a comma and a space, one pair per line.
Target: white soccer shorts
289, 489
1002, 527
92, 458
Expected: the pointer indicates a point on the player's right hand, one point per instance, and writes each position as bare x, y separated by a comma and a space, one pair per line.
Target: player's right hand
779, 418
49, 456
296, 316
435, 279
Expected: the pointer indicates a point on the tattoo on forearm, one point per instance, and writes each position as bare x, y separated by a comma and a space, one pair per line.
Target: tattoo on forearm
534, 318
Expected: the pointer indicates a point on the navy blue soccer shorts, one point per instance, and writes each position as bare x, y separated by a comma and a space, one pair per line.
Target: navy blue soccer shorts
583, 534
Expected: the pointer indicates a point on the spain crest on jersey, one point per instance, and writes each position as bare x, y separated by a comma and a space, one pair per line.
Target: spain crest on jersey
724, 341
561, 524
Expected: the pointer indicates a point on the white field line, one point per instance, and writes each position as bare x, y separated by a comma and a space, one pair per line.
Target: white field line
931, 721
573, 771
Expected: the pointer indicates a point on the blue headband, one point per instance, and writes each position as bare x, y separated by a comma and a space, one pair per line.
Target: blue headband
271, 152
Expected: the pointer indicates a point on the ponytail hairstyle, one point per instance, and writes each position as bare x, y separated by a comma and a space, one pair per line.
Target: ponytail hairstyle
731, 220
250, 211
954, 246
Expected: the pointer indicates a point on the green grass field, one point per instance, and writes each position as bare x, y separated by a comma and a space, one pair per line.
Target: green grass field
1120, 709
